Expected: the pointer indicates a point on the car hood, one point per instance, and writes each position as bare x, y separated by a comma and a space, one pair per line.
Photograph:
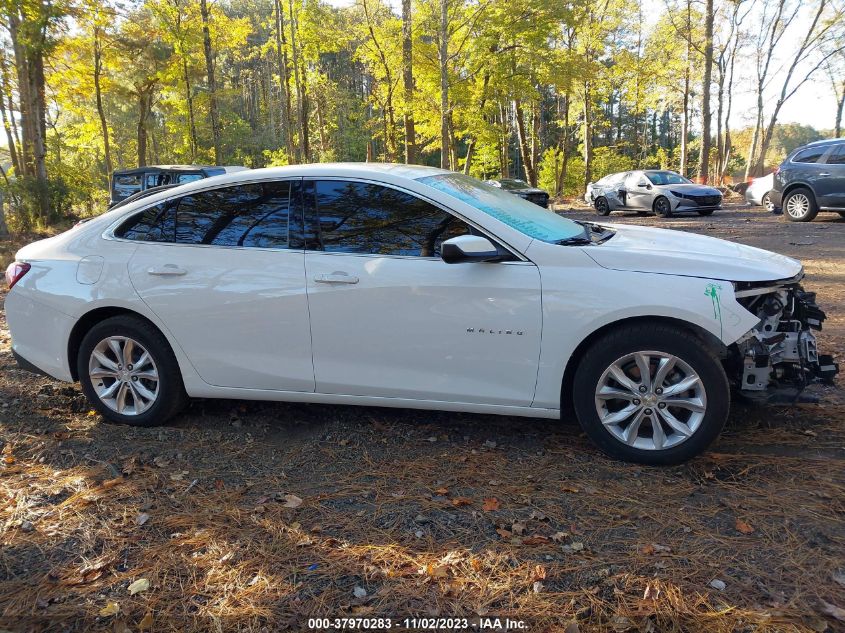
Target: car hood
662, 251
693, 189
525, 190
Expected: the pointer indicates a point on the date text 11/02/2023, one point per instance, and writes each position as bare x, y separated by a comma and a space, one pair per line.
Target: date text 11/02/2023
419, 624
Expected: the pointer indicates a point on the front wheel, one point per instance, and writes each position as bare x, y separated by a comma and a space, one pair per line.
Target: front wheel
800, 205
663, 207
602, 206
652, 394
129, 373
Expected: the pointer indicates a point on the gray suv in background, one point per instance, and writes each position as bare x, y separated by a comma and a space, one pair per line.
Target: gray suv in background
811, 179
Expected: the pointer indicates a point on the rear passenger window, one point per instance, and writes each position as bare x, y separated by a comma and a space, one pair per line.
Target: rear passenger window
811, 155
253, 215
358, 217
155, 224
838, 156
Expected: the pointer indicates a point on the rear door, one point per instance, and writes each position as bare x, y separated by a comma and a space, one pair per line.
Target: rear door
224, 270
639, 192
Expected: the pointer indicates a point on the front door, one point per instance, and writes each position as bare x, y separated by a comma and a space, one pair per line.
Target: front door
224, 270
389, 318
830, 186
639, 192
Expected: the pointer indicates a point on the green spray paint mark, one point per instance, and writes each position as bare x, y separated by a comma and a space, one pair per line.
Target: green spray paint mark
713, 291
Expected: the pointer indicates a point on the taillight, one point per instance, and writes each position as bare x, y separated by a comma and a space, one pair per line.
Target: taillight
15, 271
777, 170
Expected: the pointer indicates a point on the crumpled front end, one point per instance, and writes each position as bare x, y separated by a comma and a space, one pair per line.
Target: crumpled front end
779, 358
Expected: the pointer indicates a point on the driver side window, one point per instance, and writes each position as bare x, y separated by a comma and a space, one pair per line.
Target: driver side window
366, 218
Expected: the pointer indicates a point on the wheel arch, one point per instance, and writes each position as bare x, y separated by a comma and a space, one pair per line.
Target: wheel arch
797, 185
709, 339
88, 320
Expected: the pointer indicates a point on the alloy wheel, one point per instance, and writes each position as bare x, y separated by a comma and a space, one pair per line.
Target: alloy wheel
650, 400
124, 375
768, 204
798, 205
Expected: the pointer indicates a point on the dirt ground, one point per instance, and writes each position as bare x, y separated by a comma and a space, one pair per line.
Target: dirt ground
242, 516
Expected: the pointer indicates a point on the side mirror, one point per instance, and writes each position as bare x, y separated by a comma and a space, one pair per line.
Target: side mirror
468, 248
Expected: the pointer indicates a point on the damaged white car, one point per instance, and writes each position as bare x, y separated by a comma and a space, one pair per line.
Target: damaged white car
657, 191
407, 286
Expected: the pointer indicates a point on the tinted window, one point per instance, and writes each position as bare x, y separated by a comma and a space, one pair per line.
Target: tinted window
183, 178
155, 224
126, 185
247, 215
357, 217
811, 155
838, 156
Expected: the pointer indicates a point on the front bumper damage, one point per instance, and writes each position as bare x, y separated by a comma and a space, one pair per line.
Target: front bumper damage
779, 358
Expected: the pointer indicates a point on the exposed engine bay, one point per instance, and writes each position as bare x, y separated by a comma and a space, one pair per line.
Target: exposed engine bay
779, 358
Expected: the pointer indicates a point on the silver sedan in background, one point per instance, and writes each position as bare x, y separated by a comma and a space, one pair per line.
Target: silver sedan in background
758, 192
659, 191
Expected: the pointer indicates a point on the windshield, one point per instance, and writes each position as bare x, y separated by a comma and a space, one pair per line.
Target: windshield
666, 178
517, 213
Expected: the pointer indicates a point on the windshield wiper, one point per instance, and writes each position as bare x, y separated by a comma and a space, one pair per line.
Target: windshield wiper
575, 241
593, 234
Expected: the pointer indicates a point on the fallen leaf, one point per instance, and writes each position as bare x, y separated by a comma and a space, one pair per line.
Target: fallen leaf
535, 539
537, 586
577, 547
142, 518
718, 584
178, 476
572, 489
359, 592
461, 501
651, 593
518, 528
648, 550
292, 501
441, 571
661, 548
503, 533
558, 537
490, 504
142, 584
112, 608
833, 610
537, 515
475, 564
360, 609
146, 622
442, 491
743, 527
539, 572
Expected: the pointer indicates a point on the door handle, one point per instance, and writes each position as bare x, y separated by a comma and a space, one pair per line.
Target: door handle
336, 277
824, 173
168, 270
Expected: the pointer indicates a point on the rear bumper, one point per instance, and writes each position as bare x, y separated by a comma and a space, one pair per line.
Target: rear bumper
776, 197
40, 335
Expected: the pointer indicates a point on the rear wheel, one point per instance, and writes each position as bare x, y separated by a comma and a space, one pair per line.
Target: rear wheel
768, 205
602, 206
129, 373
662, 207
652, 394
799, 205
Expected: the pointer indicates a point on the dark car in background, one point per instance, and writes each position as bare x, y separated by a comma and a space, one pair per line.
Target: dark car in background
811, 179
128, 182
523, 190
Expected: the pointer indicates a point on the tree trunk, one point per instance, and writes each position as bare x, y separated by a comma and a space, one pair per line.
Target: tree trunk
284, 78
301, 97
750, 165
189, 98
588, 136
704, 158
472, 142
443, 58
685, 126
408, 83
144, 101
504, 154
524, 146
7, 116
837, 132
564, 147
212, 84
98, 94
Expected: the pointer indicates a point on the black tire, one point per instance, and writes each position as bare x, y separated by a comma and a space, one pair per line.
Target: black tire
662, 207
706, 212
602, 206
170, 397
767, 204
841, 214
660, 338
799, 205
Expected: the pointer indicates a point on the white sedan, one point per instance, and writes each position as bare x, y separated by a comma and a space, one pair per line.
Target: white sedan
758, 191
408, 286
